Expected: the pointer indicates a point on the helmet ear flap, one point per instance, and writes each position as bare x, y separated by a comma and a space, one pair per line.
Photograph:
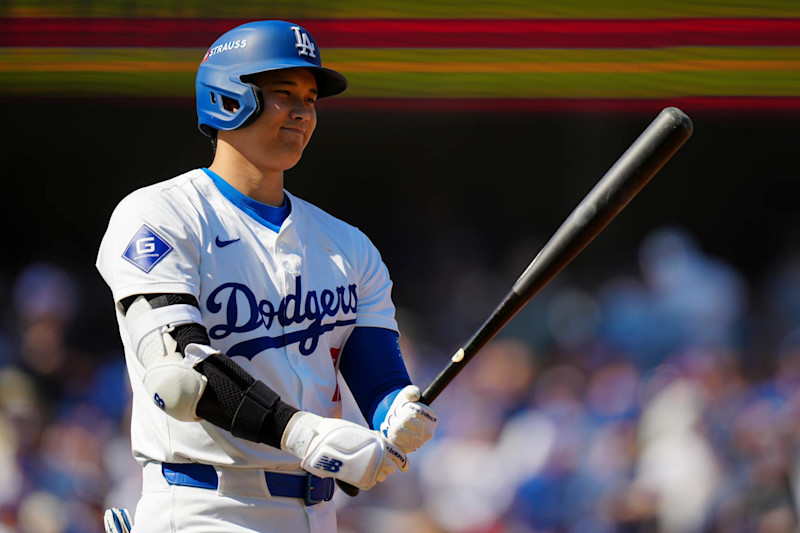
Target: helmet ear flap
222, 109
259, 100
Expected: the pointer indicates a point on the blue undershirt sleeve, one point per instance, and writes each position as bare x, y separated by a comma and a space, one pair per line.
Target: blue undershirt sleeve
373, 367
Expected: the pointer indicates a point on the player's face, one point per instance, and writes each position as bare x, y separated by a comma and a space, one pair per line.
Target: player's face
279, 135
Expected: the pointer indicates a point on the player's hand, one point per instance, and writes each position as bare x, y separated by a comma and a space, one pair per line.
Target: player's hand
330, 447
409, 424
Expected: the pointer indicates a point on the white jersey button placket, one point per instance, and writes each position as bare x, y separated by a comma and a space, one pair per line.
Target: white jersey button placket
290, 261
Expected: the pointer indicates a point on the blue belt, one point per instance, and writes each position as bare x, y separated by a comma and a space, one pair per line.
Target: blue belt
311, 489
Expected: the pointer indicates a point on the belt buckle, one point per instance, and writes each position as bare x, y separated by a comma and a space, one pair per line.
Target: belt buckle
307, 498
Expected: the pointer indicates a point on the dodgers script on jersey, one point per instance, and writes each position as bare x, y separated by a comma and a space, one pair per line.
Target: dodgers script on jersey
283, 303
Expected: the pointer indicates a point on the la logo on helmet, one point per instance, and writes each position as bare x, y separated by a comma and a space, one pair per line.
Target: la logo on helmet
304, 45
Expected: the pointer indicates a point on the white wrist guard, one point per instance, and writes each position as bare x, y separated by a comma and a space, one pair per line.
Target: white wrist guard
409, 424
330, 447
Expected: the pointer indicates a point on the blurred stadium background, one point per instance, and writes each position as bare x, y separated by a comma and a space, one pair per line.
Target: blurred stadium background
653, 386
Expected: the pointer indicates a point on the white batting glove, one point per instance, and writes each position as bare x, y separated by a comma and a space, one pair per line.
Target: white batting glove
330, 447
117, 521
409, 424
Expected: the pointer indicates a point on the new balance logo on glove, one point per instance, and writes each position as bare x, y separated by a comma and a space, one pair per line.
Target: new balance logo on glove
328, 464
393, 451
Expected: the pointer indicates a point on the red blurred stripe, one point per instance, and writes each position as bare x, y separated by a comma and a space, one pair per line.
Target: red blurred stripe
728, 106
412, 33
111, 32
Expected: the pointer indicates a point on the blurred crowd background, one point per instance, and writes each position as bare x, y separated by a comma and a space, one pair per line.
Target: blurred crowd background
653, 386
627, 404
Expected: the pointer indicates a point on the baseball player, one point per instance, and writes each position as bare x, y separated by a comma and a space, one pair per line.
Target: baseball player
238, 304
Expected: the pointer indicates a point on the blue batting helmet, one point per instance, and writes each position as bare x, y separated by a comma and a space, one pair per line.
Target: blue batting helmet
249, 49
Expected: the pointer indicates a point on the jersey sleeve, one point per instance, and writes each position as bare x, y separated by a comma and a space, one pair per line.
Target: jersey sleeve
375, 307
373, 367
150, 246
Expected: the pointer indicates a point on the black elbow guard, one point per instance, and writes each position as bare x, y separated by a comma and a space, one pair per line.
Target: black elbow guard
234, 401
261, 415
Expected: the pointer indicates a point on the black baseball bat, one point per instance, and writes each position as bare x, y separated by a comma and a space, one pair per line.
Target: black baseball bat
623, 181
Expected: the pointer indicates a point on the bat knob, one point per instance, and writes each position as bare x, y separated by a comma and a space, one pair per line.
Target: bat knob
680, 119
348, 489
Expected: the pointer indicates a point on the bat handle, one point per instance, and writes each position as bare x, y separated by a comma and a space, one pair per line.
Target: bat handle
353, 491
348, 489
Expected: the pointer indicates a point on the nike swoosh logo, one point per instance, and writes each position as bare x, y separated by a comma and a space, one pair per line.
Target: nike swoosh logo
223, 244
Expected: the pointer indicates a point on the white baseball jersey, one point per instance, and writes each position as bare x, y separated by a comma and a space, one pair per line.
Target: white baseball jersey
281, 303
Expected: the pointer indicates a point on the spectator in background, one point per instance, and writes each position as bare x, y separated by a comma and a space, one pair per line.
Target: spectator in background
683, 298
60, 407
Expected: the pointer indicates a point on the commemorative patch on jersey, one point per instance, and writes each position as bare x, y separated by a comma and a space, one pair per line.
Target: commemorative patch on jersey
146, 249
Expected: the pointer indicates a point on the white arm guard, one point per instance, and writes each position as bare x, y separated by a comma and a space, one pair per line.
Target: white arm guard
170, 378
175, 386
149, 328
330, 447
409, 424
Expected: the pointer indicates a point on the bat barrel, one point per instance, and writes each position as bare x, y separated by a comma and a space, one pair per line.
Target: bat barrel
632, 171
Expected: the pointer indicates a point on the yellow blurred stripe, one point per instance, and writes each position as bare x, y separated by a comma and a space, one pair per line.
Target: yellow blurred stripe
102, 66
445, 73
100, 59
580, 55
